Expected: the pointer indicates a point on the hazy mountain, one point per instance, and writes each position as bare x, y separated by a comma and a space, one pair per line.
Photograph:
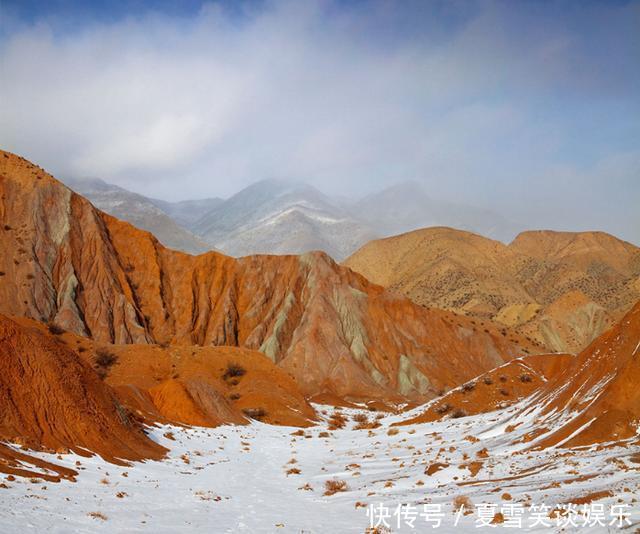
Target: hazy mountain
143, 212
277, 217
407, 206
187, 212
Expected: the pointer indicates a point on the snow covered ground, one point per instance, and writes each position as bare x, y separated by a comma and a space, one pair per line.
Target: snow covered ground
234, 479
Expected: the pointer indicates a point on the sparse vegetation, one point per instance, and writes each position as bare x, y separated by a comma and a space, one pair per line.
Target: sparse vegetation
469, 386
443, 408
105, 359
332, 487
459, 413
55, 329
488, 380
525, 378
234, 370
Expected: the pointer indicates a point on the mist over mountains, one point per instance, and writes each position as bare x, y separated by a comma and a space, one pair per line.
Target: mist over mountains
282, 217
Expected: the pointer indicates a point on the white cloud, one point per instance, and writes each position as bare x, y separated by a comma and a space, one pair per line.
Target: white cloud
351, 98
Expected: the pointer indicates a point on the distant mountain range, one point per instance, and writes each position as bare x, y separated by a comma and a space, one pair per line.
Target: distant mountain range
166, 220
279, 217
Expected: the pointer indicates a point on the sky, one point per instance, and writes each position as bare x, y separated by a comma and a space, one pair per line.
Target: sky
528, 108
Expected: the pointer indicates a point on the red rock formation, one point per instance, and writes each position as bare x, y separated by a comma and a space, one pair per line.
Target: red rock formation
498, 388
335, 332
50, 398
597, 399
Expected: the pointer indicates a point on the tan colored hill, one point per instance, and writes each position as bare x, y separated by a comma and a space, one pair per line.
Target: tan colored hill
51, 399
69, 264
561, 289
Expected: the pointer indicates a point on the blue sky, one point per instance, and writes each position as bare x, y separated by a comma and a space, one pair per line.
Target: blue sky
529, 108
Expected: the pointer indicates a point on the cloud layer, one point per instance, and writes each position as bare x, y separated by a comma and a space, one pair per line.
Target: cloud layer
527, 108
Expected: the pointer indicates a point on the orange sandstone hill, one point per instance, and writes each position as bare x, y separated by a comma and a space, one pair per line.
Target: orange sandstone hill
203, 386
66, 263
559, 288
597, 399
50, 398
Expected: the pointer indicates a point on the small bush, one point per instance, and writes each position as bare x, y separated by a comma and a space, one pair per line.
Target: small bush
443, 408
525, 378
503, 378
504, 392
55, 329
105, 359
360, 418
469, 386
255, 413
337, 420
459, 413
488, 380
2, 273
233, 370
335, 486
234, 396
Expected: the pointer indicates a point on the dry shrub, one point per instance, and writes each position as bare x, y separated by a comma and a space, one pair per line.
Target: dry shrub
488, 380
459, 413
462, 501
525, 378
332, 487
443, 408
293, 471
360, 418
469, 386
55, 329
98, 515
392, 432
234, 370
337, 420
105, 359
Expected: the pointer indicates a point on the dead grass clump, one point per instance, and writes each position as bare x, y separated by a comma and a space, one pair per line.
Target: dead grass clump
469, 386
105, 359
392, 432
98, 515
334, 486
462, 501
360, 418
443, 408
324, 434
293, 471
169, 435
458, 413
55, 329
234, 370
337, 421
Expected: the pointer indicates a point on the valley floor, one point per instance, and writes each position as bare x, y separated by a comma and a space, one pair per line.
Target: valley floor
234, 479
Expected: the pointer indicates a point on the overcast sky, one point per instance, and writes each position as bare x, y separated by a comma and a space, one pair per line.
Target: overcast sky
528, 108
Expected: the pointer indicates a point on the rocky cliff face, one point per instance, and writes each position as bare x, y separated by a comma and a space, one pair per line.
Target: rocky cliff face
67, 263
